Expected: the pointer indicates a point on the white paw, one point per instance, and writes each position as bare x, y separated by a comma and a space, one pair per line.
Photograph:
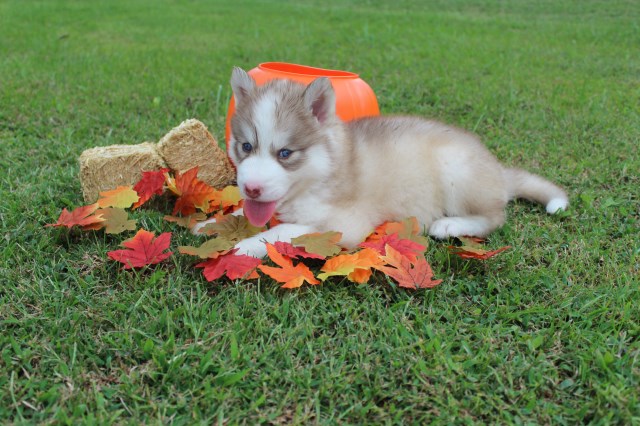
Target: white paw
447, 227
556, 205
253, 247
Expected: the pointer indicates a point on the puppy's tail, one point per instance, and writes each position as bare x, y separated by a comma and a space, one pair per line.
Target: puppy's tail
522, 184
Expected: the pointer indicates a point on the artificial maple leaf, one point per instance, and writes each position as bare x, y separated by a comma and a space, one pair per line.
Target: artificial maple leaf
231, 227
143, 249
408, 229
292, 276
209, 249
293, 252
192, 193
151, 183
226, 198
360, 276
407, 273
116, 220
407, 248
82, 216
122, 197
94, 226
187, 221
324, 244
355, 266
232, 265
472, 248
274, 221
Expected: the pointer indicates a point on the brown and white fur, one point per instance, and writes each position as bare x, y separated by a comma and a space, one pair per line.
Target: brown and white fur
322, 174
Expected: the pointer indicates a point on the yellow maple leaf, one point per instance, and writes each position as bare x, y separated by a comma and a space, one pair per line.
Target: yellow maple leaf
122, 197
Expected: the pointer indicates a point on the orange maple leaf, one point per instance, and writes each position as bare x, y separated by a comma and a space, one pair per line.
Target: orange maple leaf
151, 183
192, 193
122, 197
143, 249
409, 274
81, 216
472, 248
356, 266
228, 198
292, 276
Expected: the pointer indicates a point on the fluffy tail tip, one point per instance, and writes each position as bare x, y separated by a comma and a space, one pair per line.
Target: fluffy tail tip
557, 205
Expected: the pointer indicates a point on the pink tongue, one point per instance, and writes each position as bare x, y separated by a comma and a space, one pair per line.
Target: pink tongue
258, 212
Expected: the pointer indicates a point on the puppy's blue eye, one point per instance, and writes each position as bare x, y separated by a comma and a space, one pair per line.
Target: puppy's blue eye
247, 147
284, 153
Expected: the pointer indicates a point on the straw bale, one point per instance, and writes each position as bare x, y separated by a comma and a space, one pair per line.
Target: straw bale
189, 145
105, 168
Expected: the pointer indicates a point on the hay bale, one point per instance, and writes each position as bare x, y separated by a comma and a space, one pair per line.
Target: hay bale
105, 168
189, 145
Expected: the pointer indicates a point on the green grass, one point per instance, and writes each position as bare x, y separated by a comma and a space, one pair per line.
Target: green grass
546, 333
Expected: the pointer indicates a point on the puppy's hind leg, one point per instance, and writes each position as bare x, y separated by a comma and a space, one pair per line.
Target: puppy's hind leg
474, 205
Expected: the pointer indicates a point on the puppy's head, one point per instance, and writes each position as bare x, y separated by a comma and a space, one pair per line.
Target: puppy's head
281, 138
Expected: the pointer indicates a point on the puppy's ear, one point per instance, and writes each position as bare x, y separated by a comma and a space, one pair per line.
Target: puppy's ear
320, 99
241, 83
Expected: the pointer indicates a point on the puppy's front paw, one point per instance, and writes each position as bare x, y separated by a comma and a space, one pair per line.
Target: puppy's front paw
253, 247
447, 227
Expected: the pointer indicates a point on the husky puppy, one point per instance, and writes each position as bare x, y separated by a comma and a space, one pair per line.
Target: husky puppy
297, 159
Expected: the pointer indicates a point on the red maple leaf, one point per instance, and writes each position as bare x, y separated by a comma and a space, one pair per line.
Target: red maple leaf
143, 249
232, 265
472, 248
409, 249
291, 251
292, 276
81, 216
192, 193
409, 274
150, 184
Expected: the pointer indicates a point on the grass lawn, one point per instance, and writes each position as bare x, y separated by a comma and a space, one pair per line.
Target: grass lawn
546, 333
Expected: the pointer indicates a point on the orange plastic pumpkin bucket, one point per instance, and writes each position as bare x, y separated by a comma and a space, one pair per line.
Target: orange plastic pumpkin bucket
354, 97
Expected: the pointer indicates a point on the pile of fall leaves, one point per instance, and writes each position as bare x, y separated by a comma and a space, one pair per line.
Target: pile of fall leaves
394, 248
